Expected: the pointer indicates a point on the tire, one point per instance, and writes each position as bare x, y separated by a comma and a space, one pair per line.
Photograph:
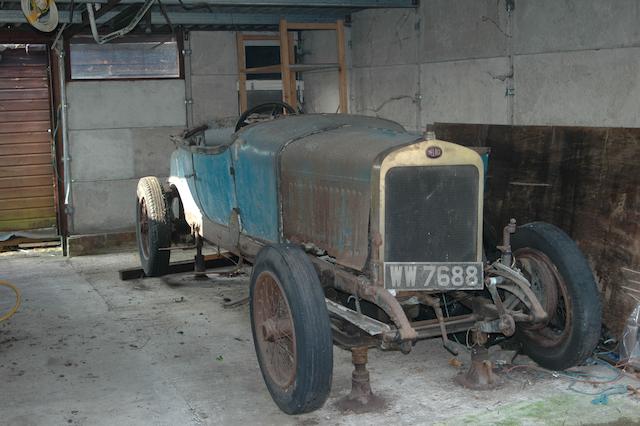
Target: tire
153, 229
562, 279
286, 294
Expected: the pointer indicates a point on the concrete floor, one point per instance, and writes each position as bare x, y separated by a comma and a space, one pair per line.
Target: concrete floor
87, 348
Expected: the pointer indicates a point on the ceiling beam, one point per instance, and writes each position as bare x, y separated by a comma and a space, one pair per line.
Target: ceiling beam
272, 3
189, 18
77, 29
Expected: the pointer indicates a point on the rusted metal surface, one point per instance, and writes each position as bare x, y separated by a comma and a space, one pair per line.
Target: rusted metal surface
361, 399
480, 375
326, 199
332, 276
583, 179
256, 161
27, 199
274, 332
551, 289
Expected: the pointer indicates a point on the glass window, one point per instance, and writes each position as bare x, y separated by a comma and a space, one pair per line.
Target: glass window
125, 58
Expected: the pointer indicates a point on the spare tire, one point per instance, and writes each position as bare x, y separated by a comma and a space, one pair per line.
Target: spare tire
153, 228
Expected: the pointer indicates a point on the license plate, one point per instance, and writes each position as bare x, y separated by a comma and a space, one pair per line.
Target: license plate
433, 276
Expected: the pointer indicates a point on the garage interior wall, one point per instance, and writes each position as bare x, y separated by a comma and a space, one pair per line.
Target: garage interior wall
118, 132
450, 61
526, 73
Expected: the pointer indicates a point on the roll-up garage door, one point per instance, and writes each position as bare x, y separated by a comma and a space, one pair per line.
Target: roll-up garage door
26, 168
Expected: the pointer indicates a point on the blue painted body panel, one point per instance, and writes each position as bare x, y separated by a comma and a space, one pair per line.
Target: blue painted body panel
214, 185
182, 167
485, 163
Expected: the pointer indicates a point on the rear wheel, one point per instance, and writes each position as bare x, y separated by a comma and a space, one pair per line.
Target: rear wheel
291, 329
563, 282
153, 229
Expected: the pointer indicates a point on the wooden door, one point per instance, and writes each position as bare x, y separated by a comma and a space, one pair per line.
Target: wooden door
26, 161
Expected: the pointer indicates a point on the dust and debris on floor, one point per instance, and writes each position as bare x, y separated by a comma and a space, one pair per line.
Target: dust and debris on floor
87, 348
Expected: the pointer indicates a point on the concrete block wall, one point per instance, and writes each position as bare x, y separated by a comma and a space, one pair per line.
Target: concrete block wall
214, 71
118, 132
320, 86
546, 62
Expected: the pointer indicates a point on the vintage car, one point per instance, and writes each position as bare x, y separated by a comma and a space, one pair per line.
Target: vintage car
366, 235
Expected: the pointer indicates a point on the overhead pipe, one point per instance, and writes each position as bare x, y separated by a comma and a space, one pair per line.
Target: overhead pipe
121, 32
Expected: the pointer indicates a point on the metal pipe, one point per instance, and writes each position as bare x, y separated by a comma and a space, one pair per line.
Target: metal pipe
116, 34
66, 155
188, 87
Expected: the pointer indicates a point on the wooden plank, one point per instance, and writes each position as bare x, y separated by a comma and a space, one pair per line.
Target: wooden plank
34, 213
21, 171
313, 67
26, 181
41, 93
211, 261
27, 192
267, 69
25, 159
24, 105
25, 148
292, 77
342, 73
27, 223
260, 37
26, 137
22, 83
17, 71
21, 57
22, 117
242, 76
285, 72
31, 126
26, 203
309, 26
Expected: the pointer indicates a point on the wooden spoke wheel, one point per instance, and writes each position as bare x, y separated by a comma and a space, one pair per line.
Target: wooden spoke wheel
291, 329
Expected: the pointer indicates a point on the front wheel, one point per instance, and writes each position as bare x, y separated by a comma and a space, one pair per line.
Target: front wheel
563, 282
291, 329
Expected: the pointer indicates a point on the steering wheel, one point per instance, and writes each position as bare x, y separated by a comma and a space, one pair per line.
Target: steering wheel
264, 112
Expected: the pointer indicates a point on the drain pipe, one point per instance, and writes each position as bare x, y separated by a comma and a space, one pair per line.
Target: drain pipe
66, 155
188, 88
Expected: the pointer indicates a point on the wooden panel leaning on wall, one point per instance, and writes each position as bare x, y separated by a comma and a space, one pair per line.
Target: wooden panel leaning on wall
584, 180
26, 171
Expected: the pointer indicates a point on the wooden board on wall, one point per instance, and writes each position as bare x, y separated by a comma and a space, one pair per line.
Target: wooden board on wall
584, 180
26, 170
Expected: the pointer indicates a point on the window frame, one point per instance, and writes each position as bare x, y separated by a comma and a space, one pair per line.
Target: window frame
179, 38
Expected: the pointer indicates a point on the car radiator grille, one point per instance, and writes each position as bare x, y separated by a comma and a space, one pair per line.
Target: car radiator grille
431, 214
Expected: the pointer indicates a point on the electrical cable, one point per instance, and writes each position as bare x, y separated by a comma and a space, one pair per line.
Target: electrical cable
13, 310
121, 32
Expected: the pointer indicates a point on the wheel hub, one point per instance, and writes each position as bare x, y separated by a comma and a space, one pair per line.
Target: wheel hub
551, 290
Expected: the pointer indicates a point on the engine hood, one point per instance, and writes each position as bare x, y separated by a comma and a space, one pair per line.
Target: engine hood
325, 183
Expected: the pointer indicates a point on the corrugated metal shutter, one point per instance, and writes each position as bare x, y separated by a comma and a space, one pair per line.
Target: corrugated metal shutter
26, 168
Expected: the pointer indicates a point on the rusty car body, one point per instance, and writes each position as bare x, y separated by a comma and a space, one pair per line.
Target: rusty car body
366, 207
